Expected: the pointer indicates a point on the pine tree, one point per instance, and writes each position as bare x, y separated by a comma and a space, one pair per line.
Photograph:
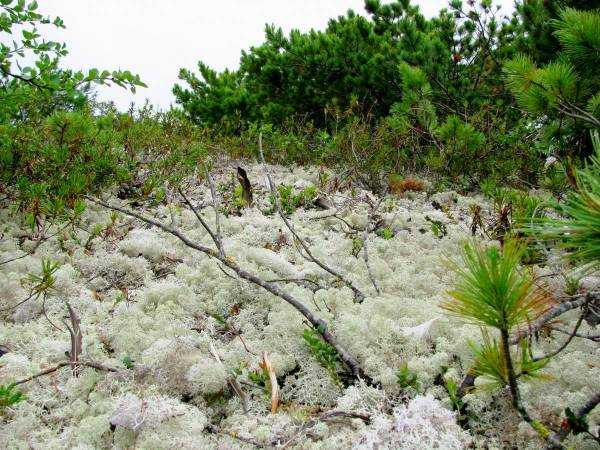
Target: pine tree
563, 95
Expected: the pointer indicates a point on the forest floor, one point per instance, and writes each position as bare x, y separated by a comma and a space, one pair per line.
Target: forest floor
185, 334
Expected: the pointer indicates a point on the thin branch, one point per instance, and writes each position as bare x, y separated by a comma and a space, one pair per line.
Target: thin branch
573, 302
91, 364
330, 415
319, 324
231, 380
358, 295
200, 219
76, 339
591, 337
365, 243
304, 282
565, 344
39, 242
34, 295
46, 314
216, 430
589, 405
213, 193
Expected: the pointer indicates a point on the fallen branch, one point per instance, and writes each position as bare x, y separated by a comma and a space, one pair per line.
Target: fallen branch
565, 344
299, 281
591, 337
231, 381
93, 365
323, 418
365, 243
589, 405
319, 324
358, 295
216, 430
570, 303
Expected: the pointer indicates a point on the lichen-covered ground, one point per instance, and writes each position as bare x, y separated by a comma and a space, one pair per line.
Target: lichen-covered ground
148, 302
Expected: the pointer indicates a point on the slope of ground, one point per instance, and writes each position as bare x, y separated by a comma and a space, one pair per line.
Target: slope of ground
159, 312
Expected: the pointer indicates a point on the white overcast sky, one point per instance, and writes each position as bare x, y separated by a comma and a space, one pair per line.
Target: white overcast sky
156, 38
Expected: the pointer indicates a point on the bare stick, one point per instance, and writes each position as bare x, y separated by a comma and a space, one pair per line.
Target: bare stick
565, 344
46, 314
39, 242
573, 302
93, 365
319, 324
231, 381
325, 417
365, 244
201, 220
76, 339
589, 405
213, 193
591, 337
216, 430
358, 295
34, 294
303, 282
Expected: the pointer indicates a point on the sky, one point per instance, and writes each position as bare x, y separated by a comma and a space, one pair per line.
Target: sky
156, 38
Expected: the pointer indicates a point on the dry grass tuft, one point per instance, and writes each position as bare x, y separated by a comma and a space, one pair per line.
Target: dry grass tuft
399, 185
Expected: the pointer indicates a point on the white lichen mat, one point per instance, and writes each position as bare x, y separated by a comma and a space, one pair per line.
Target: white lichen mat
145, 298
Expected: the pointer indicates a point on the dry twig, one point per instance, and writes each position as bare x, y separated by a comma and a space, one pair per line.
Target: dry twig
358, 295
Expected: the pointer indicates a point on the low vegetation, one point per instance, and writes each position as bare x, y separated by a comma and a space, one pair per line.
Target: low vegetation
383, 234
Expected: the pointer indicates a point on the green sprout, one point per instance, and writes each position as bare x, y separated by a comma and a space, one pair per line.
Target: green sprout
324, 353
9, 396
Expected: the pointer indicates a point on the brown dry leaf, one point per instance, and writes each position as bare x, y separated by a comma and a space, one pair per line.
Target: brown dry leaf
266, 365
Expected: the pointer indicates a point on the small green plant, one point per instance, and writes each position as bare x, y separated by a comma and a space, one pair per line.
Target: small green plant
576, 424
291, 201
259, 377
493, 292
45, 280
452, 389
385, 233
158, 195
438, 228
9, 395
324, 353
406, 378
238, 198
96, 231
127, 362
572, 285
357, 245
